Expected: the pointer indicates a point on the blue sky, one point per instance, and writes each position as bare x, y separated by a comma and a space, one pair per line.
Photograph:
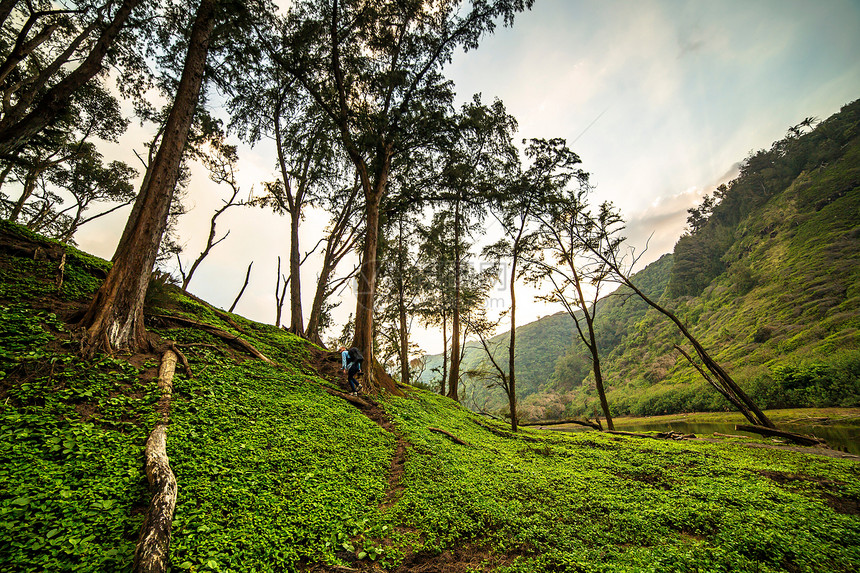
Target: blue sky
661, 99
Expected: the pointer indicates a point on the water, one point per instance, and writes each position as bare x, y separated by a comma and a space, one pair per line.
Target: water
842, 437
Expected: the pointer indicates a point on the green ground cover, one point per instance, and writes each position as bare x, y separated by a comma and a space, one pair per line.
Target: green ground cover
276, 474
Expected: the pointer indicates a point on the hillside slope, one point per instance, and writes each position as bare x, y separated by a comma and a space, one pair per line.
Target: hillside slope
278, 470
769, 283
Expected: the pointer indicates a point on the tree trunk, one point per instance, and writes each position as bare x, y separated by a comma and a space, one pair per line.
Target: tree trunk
444, 355
454, 376
598, 381
114, 318
312, 332
17, 130
706, 359
401, 309
297, 326
367, 282
29, 187
512, 380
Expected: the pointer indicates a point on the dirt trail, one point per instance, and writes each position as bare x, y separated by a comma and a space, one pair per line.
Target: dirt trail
467, 557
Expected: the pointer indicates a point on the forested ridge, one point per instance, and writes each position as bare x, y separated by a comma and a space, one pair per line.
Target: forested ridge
767, 273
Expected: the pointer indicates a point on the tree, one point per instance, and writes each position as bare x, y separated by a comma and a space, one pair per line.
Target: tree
64, 156
114, 318
479, 157
221, 164
552, 167
266, 103
399, 287
437, 283
576, 278
599, 235
27, 72
375, 70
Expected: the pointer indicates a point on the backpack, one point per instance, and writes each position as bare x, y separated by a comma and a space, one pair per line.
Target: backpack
355, 355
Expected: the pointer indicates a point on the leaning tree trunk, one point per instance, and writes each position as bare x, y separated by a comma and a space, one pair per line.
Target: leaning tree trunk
114, 318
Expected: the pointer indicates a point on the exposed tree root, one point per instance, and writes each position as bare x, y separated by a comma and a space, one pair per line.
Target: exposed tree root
151, 553
223, 334
451, 436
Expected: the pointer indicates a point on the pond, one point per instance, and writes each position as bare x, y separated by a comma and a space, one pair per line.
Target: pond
843, 437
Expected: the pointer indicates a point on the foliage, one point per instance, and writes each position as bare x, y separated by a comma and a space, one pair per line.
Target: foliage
70, 444
275, 473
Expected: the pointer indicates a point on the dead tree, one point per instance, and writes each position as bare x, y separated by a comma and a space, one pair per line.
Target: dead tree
244, 286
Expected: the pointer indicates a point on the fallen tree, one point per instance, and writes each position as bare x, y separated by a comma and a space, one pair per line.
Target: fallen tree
801, 439
588, 423
153, 544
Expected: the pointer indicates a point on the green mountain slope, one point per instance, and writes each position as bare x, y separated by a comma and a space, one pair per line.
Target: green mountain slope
278, 471
783, 312
539, 344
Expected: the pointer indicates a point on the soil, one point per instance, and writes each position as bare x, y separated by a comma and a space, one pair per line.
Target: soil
830, 490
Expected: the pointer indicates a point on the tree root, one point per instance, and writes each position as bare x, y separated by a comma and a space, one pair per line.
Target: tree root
451, 436
238, 341
151, 553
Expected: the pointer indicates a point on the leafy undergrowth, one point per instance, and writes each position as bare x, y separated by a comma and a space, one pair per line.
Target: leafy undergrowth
277, 474
594, 502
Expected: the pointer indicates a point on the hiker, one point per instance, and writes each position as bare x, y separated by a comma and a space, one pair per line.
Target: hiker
351, 361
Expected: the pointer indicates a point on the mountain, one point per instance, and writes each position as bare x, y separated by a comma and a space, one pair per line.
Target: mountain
539, 344
768, 280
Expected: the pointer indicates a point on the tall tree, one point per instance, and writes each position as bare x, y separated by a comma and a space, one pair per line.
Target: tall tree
577, 279
479, 157
517, 205
114, 318
375, 69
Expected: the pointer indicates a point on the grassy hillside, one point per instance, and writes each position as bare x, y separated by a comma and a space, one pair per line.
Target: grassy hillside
278, 471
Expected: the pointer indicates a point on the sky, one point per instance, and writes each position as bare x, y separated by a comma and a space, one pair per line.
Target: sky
661, 100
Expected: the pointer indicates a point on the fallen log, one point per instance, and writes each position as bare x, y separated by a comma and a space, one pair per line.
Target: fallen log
657, 436
151, 553
773, 432
588, 423
223, 334
166, 372
728, 435
451, 436
153, 543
